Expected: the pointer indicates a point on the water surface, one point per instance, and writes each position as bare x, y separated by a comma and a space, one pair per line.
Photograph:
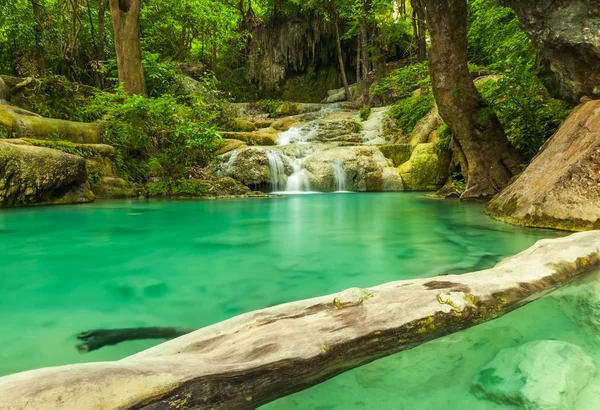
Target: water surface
193, 263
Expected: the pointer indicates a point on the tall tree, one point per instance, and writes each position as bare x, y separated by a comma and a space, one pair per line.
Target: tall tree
488, 159
125, 17
334, 13
419, 28
364, 48
38, 52
102, 5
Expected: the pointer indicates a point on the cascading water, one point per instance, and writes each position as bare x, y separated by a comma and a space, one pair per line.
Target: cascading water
276, 170
339, 175
300, 135
298, 181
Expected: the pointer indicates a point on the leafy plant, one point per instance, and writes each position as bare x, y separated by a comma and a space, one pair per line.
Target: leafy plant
528, 114
409, 111
268, 106
365, 113
402, 82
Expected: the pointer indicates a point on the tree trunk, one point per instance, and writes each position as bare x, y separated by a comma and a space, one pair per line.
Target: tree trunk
213, 60
358, 59
364, 50
103, 4
491, 159
125, 17
339, 53
419, 28
38, 51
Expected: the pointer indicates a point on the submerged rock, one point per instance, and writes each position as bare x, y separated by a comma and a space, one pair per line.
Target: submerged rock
36, 176
426, 170
561, 187
540, 375
581, 302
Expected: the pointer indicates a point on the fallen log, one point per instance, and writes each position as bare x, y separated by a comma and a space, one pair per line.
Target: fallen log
260, 356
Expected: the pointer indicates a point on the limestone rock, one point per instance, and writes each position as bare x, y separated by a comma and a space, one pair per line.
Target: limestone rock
567, 34
37, 176
561, 187
261, 137
229, 145
398, 153
539, 375
113, 187
20, 123
241, 124
581, 302
426, 170
366, 169
249, 166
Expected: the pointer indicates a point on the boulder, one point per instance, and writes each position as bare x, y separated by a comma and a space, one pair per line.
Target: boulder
539, 375
3, 91
366, 169
261, 137
426, 170
581, 302
229, 145
240, 124
567, 35
248, 165
20, 123
398, 153
38, 176
113, 187
560, 188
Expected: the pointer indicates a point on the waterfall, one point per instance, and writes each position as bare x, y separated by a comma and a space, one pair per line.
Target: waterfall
339, 175
298, 181
301, 134
276, 170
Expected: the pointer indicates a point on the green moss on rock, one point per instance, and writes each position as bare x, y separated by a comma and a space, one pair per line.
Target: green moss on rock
37, 176
426, 170
398, 153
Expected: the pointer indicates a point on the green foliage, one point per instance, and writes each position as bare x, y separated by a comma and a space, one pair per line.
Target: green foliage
495, 38
286, 109
529, 116
64, 146
54, 97
157, 137
178, 188
161, 76
444, 134
268, 106
409, 111
365, 113
458, 182
401, 82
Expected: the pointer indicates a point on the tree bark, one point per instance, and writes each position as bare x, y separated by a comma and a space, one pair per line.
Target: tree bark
255, 358
491, 159
102, 5
364, 48
213, 60
38, 51
358, 59
339, 52
125, 17
419, 28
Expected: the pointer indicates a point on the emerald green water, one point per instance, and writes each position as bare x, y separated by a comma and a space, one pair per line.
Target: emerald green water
194, 263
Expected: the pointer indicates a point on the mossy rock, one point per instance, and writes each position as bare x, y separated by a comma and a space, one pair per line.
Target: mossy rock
41, 176
229, 145
288, 108
426, 170
398, 153
262, 137
112, 187
242, 125
284, 124
203, 188
20, 124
